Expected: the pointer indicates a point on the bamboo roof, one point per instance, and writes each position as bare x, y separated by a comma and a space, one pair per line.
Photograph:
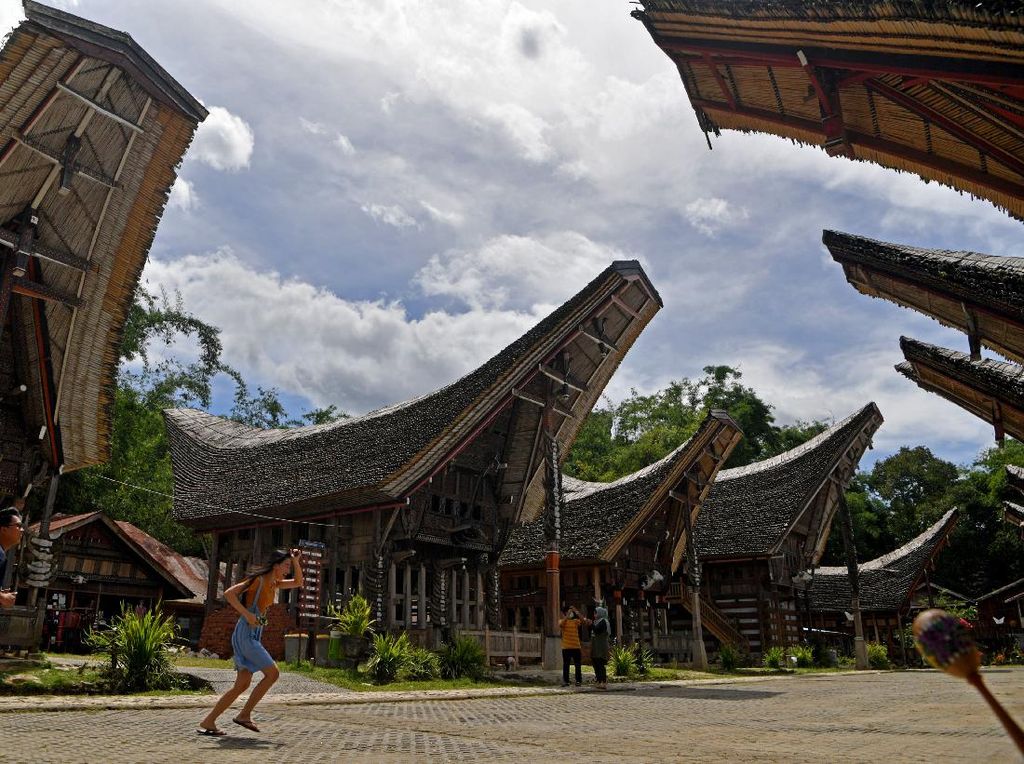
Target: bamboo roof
932, 88
92, 130
991, 390
1015, 476
223, 469
751, 510
887, 582
981, 295
600, 519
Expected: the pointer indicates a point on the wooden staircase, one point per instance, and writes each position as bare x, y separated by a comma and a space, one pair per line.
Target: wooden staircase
711, 618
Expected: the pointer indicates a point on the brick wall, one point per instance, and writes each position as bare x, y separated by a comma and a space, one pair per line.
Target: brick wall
218, 627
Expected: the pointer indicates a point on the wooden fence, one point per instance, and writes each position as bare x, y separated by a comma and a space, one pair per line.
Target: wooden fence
501, 645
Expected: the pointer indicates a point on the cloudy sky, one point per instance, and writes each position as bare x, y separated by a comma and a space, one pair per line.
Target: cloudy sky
386, 193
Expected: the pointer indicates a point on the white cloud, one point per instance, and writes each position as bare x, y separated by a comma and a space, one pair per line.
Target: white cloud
523, 128
359, 354
516, 271
708, 215
454, 219
311, 127
224, 141
183, 195
344, 145
11, 14
388, 101
390, 214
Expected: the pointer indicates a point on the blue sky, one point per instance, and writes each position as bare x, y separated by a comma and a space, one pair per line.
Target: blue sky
387, 193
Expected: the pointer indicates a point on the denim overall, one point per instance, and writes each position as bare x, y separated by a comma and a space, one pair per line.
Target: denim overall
250, 654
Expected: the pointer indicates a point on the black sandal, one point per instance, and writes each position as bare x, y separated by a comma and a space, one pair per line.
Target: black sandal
247, 723
210, 733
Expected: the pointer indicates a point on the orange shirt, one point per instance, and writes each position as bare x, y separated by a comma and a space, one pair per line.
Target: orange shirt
267, 594
570, 633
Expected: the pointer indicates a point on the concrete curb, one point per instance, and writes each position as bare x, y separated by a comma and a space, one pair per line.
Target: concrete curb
54, 703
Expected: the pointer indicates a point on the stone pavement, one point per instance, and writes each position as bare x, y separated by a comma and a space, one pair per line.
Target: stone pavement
913, 716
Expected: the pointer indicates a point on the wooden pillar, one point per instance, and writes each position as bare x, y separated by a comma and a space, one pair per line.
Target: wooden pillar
481, 609
453, 612
332, 580
467, 623
846, 527
211, 578
348, 583
618, 617
424, 604
407, 584
392, 586
596, 575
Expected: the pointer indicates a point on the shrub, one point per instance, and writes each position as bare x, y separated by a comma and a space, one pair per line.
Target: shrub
138, 647
774, 657
463, 657
730, 656
804, 656
422, 664
354, 619
389, 656
878, 656
644, 658
622, 660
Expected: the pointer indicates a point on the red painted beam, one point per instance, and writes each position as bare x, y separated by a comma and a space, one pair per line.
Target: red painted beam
45, 370
696, 50
723, 86
926, 112
965, 172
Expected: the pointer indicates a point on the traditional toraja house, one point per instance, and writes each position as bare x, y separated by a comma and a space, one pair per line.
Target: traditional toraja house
621, 542
933, 88
891, 588
981, 295
92, 130
991, 390
1001, 616
763, 525
415, 502
104, 565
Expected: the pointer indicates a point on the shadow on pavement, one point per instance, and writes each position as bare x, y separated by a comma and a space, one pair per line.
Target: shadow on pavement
247, 744
699, 693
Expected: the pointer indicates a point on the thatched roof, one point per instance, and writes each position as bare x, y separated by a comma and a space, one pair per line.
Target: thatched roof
600, 519
975, 293
222, 467
1015, 476
992, 390
751, 510
885, 583
92, 131
932, 88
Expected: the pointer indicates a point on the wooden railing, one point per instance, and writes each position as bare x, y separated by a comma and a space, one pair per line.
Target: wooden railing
501, 645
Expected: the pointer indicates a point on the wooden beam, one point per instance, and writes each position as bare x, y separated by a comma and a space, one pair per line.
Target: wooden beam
45, 370
10, 239
93, 175
624, 307
39, 291
540, 404
101, 110
600, 339
563, 379
722, 84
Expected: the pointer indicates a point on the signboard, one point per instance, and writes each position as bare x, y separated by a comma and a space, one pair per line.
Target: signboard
314, 554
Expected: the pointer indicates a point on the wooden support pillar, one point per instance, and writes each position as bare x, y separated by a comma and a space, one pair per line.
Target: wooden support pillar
453, 613
389, 619
618, 617
424, 603
467, 622
332, 580
846, 527
596, 574
348, 583
407, 602
481, 609
211, 578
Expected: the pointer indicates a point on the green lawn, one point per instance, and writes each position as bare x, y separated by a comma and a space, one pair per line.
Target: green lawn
361, 682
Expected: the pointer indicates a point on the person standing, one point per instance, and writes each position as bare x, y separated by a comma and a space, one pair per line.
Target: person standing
252, 597
10, 534
599, 633
571, 649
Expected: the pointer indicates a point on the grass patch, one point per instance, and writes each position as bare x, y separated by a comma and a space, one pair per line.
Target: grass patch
184, 661
359, 681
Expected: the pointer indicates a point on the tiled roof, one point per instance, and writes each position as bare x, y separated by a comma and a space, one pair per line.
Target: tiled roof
750, 509
220, 465
886, 582
596, 514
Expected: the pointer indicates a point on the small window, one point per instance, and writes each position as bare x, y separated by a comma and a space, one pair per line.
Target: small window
435, 504
478, 512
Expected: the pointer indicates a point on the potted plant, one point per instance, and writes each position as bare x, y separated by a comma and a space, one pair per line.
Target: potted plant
350, 627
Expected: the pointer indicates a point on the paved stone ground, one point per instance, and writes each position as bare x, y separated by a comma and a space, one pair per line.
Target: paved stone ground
916, 716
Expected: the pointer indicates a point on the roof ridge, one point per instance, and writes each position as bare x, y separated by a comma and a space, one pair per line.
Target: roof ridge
899, 553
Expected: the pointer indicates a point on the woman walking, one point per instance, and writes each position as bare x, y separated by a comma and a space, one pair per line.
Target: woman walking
599, 647
252, 597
